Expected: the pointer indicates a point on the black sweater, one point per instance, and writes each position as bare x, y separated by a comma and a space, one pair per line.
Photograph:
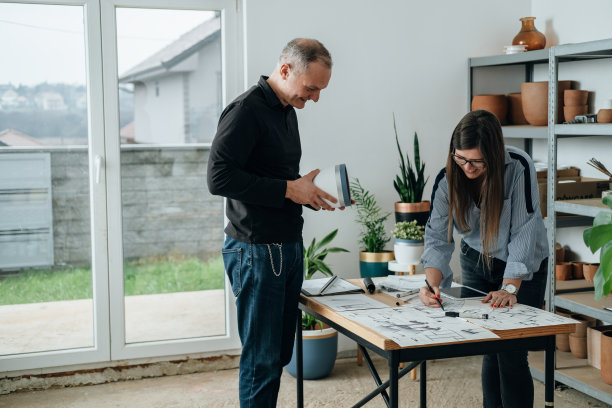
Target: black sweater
256, 149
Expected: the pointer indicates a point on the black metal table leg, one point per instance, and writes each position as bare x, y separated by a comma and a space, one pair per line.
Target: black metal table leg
549, 373
393, 378
423, 385
299, 362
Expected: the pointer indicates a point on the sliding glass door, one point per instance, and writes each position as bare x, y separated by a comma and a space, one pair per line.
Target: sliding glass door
107, 229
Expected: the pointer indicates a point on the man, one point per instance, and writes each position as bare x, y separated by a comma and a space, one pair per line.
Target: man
254, 162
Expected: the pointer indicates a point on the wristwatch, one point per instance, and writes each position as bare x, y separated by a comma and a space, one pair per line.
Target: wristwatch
510, 288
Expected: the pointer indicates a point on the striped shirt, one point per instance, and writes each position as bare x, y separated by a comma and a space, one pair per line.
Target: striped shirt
522, 241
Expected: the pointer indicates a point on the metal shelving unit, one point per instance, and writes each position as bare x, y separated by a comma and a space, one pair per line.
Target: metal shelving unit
568, 369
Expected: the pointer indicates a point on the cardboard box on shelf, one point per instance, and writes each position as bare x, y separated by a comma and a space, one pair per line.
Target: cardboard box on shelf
568, 172
573, 188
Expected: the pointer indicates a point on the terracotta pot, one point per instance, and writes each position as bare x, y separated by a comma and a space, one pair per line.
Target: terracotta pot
559, 253
563, 271
496, 104
594, 345
604, 116
534, 96
589, 271
578, 346
575, 97
585, 321
562, 342
515, 109
570, 112
606, 356
577, 270
529, 35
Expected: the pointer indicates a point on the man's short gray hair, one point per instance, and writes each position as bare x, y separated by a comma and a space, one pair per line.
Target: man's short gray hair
300, 52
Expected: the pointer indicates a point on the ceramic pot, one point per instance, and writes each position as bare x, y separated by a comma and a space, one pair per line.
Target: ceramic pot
515, 109
577, 270
578, 346
408, 251
496, 104
319, 350
581, 328
563, 271
575, 97
375, 264
594, 345
412, 211
589, 271
534, 96
562, 342
606, 356
570, 112
604, 116
559, 253
529, 35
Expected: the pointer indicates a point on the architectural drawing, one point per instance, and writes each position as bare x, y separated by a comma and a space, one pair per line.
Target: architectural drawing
350, 302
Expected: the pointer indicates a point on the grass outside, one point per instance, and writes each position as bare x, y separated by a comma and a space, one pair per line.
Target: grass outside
143, 277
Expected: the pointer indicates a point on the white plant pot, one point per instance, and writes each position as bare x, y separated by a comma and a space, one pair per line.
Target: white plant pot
408, 252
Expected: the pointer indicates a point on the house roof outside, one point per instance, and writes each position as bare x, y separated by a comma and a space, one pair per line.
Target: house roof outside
11, 137
165, 59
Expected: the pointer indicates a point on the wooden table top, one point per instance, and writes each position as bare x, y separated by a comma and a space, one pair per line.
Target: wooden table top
384, 343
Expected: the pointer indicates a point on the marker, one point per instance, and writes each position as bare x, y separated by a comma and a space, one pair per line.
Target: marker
467, 315
437, 297
367, 282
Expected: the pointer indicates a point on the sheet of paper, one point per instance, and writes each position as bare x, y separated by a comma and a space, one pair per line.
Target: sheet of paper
409, 326
313, 286
350, 302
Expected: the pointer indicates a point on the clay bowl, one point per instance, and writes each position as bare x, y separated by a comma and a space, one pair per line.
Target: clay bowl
604, 116
497, 104
581, 328
559, 253
570, 112
535, 101
563, 271
575, 97
562, 341
589, 271
515, 109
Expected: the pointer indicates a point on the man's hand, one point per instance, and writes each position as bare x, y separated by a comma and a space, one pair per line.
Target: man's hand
303, 191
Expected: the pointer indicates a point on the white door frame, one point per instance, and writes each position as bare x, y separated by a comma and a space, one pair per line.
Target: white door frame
231, 67
97, 193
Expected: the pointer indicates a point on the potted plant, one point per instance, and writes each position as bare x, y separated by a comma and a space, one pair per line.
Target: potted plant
410, 184
409, 242
373, 259
319, 343
599, 236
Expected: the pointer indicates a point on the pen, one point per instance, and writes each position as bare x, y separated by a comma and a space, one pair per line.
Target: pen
467, 315
327, 284
432, 291
408, 293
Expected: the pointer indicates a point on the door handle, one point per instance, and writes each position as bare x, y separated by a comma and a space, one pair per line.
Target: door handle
99, 162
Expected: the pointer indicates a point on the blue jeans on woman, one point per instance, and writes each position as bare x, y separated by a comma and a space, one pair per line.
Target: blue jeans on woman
506, 379
266, 280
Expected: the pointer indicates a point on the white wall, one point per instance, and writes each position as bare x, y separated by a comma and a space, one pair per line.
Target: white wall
566, 21
390, 56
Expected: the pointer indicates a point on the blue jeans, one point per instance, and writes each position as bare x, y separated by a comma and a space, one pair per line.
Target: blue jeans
506, 379
267, 289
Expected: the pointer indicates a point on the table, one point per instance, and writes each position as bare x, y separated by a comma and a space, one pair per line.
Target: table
536, 338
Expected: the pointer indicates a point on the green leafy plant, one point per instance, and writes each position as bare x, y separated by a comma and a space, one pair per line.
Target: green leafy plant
409, 230
410, 184
370, 216
314, 257
599, 236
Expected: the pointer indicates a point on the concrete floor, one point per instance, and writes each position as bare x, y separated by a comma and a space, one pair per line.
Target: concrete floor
450, 383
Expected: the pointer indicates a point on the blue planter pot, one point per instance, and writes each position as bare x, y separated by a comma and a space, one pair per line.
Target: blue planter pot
374, 264
319, 348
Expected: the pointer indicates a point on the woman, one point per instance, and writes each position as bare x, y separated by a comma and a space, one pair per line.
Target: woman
488, 193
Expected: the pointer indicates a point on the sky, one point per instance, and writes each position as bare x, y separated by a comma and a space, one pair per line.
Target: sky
47, 41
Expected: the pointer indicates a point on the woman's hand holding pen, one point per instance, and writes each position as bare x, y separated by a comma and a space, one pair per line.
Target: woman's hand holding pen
428, 298
500, 298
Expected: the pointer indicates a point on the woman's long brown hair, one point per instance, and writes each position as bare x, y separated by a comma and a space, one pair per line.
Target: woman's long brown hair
478, 129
